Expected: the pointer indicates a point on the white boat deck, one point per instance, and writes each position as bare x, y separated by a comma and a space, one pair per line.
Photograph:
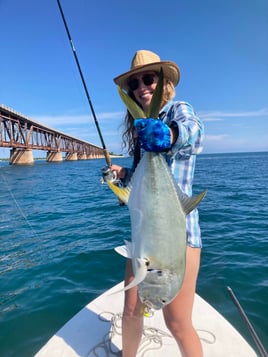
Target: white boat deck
96, 331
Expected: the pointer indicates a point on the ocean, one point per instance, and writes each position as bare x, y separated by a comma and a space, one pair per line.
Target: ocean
59, 225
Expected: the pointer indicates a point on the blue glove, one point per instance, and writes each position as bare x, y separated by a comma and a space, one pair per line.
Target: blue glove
154, 135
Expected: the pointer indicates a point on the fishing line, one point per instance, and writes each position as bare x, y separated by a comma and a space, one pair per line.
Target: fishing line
17, 205
106, 152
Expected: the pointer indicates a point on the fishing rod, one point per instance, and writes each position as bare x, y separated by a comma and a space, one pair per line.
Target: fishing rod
253, 333
105, 151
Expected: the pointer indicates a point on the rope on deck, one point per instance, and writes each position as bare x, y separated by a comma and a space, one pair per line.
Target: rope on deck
152, 339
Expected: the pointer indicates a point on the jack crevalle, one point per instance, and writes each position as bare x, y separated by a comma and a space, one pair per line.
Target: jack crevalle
158, 210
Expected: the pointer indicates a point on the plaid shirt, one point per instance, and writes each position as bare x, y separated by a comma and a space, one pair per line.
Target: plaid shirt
181, 157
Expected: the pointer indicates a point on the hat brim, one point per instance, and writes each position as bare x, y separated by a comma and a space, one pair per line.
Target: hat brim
170, 70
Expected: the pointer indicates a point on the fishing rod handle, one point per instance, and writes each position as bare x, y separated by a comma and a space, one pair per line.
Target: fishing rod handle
107, 157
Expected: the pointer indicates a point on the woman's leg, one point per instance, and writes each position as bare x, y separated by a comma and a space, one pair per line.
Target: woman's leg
132, 322
178, 314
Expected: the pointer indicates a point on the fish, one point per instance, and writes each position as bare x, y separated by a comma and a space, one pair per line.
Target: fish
158, 210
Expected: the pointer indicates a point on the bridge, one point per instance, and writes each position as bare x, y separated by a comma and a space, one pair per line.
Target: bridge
23, 135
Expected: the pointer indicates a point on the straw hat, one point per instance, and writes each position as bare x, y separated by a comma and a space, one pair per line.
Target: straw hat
144, 60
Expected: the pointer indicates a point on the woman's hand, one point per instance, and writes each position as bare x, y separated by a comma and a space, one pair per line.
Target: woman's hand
154, 135
119, 170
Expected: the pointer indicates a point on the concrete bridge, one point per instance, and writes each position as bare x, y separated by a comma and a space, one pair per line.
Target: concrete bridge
23, 135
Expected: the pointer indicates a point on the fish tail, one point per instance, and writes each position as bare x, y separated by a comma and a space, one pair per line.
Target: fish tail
121, 193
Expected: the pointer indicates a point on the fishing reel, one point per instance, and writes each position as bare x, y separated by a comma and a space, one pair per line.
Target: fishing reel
109, 174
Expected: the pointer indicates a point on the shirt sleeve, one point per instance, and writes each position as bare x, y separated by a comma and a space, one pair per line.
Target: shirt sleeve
190, 130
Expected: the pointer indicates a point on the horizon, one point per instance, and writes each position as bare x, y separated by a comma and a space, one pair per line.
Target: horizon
36, 155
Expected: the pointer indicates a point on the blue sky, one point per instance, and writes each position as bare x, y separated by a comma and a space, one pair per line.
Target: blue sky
219, 45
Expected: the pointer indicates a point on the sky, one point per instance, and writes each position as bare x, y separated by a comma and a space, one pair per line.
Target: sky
221, 47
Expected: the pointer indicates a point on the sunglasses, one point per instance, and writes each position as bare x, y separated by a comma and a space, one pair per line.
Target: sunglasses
147, 79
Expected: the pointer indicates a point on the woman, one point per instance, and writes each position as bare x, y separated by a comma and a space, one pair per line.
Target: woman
178, 135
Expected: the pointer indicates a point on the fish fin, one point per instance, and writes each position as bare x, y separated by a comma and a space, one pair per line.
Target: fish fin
132, 106
121, 193
154, 108
189, 203
139, 276
125, 250
122, 250
141, 273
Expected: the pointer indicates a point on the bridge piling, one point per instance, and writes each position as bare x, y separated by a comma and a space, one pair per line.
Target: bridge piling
71, 156
53, 156
82, 156
21, 157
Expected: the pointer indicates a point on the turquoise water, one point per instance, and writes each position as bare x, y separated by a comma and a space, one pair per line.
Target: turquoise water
59, 225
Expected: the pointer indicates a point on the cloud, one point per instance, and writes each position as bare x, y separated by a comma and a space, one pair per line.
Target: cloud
221, 115
83, 126
220, 136
61, 120
112, 115
216, 137
117, 117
